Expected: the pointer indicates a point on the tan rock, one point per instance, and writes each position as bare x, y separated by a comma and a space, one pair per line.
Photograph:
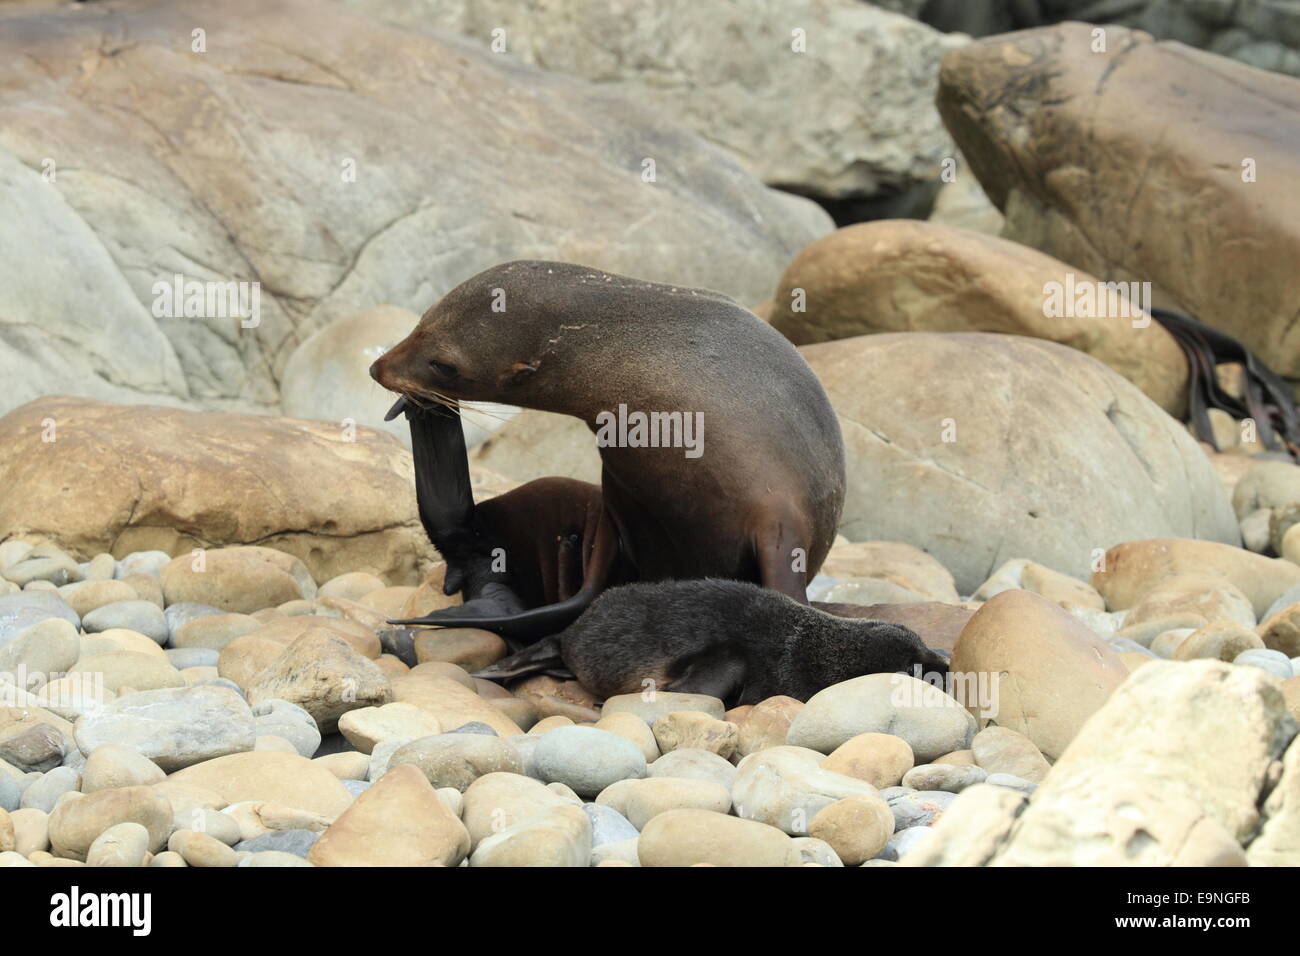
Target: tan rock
84, 596
901, 564
399, 821
857, 827
457, 760
286, 630
695, 730
1278, 842
352, 585
367, 726
1281, 631
912, 276
766, 724
282, 778
325, 676
1003, 750
497, 801
350, 765
1136, 567
687, 837
214, 632
76, 822
1034, 649
633, 728
558, 836
451, 703
1219, 640
245, 658
471, 648
388, 601
645, 799
1192, 597
239, 579
111, 765
182, 480
879, 759
200, 849
921, 468
121, 669
31, 830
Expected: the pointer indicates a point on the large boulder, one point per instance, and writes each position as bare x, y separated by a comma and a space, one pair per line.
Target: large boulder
1060, 135
908, 276
979, 448
1171, 771
124, 478
337, 165
734, 74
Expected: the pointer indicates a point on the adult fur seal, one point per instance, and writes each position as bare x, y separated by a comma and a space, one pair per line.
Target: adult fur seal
755, 644
759, 502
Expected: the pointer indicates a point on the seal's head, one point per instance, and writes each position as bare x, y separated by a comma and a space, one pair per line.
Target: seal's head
493, 338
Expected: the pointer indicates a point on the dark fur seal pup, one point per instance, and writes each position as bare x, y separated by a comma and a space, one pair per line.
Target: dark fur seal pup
760, 503
727, 639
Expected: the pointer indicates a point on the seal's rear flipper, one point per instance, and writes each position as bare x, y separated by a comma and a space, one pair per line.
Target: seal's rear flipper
1267, 399
490, 614
541, 658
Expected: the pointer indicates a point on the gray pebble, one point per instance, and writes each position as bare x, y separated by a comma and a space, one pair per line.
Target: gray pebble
183, 657
587, 759
893, 793
608, 825
187, 611
20, 611
143, 617
474, 727
142, 562
1273, 662
284, 719
905, 841
10, 794
1128, 645
920, 809
1286, 599
297, 842
44, 793
356, 787
1011, 782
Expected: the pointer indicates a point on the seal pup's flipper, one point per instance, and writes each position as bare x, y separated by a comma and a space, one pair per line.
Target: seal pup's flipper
540, 658
717, 672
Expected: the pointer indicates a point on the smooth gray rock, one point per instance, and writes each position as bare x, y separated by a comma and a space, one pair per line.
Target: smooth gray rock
174, 727
297, 842
44, 792
20, 611
1273, 662
183, 657
286, 719
920, 809
587, 759
143, 617
608, 825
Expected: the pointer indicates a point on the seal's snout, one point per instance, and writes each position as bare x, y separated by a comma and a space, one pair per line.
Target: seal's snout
379, 370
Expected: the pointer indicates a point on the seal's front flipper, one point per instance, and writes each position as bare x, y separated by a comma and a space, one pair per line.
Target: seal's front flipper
489, 614
541, 658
